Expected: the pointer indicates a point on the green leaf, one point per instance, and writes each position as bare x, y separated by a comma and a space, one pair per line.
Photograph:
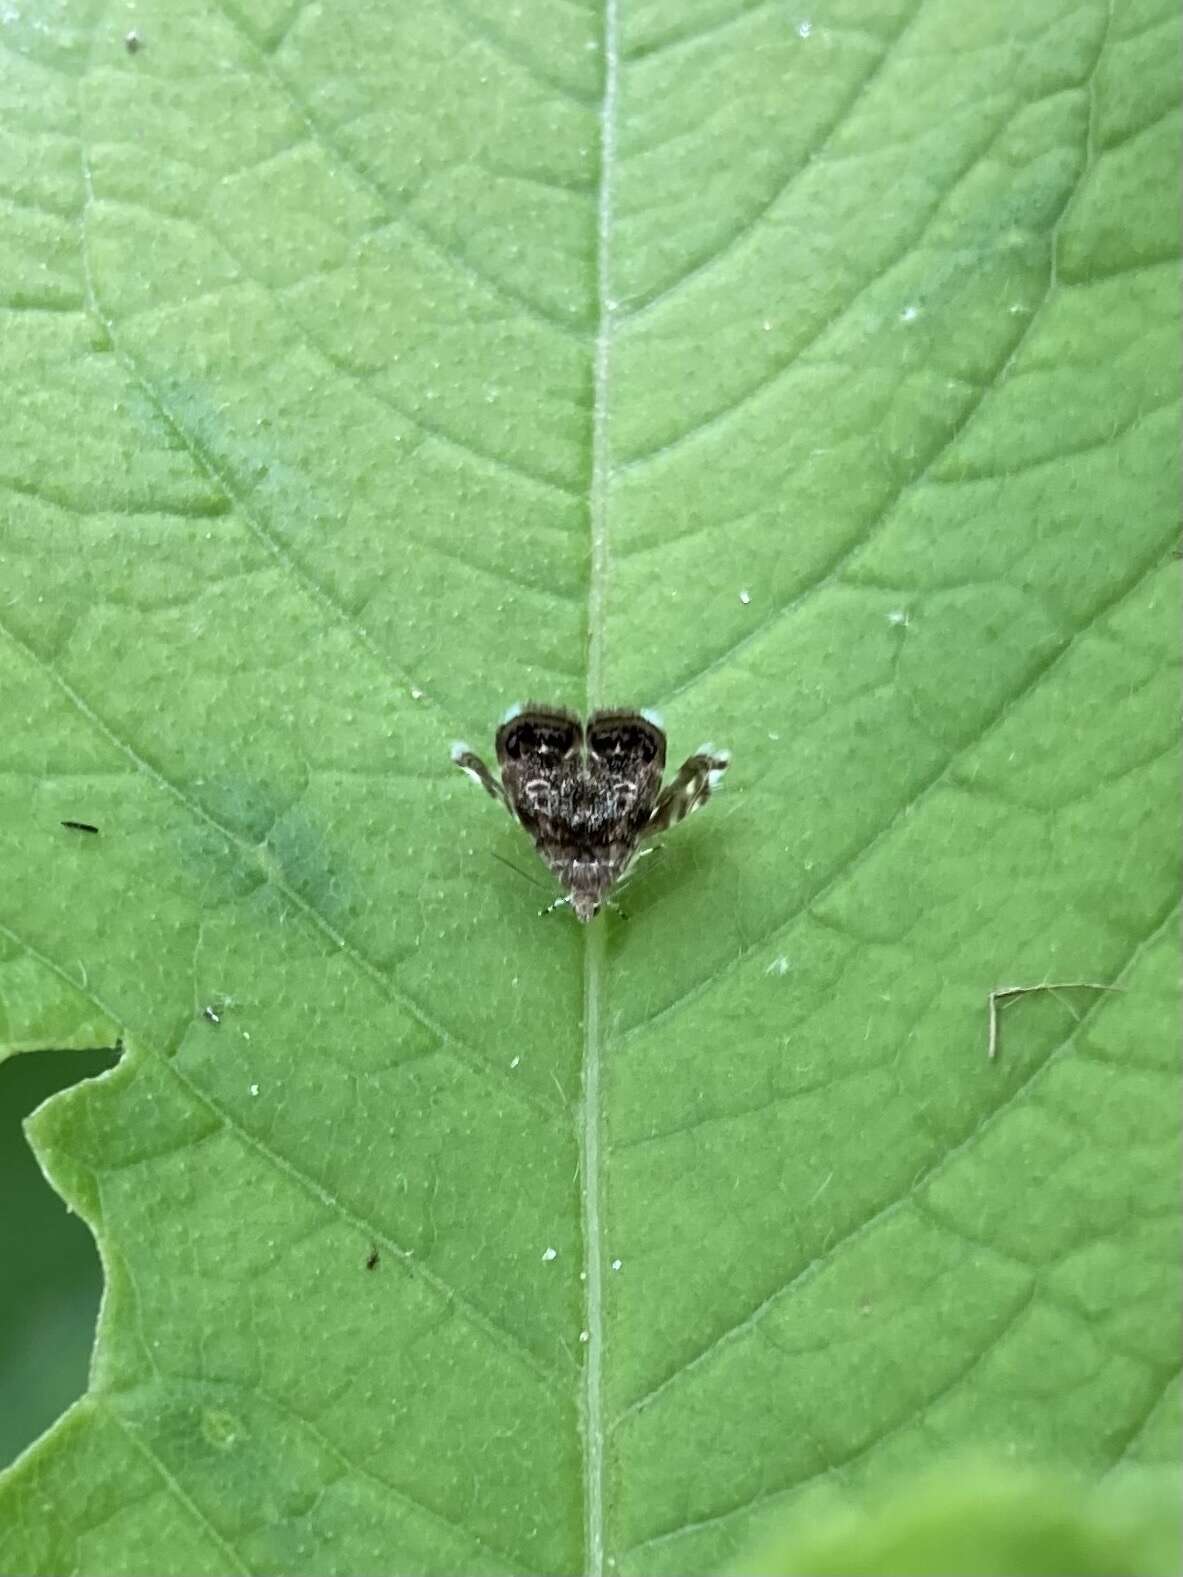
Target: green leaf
985, 1520
812, 378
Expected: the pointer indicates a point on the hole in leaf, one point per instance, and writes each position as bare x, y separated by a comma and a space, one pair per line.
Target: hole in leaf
52, 1277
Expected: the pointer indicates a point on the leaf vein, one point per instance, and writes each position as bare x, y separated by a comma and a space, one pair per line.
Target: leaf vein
481, 29
337, 152
646, 304
989, 387
341, 944
946, 771
174, 1487
810, 1272
450, 1295
839, 1465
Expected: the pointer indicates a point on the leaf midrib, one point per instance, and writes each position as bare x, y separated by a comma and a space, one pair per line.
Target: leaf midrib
590, 1125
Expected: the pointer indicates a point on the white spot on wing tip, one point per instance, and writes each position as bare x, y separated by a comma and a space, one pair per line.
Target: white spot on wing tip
459, 751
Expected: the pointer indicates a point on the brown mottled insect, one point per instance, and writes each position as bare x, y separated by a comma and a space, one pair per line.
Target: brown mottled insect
590, 794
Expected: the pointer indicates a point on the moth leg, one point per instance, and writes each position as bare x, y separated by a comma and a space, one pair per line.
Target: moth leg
563, 901
476, 769
698, 775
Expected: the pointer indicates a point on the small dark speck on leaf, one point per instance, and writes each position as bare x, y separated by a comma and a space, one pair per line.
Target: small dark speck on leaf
80, 826
132, 42
372, 1259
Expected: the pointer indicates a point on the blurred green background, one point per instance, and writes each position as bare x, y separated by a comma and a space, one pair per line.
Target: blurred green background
51, 1281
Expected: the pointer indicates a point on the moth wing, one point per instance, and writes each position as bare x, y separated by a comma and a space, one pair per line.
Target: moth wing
538, 748
540, 733
690, 789
472, 766
626, 751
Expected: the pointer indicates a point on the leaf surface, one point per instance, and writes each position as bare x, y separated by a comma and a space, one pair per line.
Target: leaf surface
978, 1519
812, 379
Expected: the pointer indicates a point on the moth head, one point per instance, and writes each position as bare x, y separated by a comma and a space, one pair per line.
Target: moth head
588, 878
